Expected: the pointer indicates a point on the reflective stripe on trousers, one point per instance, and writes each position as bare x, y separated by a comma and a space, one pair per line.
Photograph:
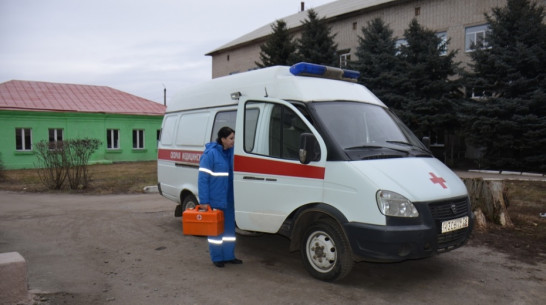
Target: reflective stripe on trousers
220, 241
222, 247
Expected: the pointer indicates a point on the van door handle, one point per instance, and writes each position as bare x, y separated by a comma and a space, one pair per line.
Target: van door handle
253, 178
258, 178
178, 164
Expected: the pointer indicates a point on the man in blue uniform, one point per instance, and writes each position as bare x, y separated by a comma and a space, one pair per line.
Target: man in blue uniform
215, 185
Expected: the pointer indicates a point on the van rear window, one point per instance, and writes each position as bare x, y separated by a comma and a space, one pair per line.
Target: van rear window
167, 132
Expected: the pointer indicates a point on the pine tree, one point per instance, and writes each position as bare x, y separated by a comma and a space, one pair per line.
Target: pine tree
427, 83
377, 62
279, 49
316, 44
510, 119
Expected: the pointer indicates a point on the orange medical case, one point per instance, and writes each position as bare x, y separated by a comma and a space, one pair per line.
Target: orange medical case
202, 220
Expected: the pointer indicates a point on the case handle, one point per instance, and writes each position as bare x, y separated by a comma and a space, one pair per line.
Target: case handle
203, 207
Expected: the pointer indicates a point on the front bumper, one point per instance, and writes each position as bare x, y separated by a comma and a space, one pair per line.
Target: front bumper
403, 239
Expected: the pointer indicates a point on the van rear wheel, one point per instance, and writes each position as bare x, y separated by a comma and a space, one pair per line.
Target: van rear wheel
326, 252
189, 202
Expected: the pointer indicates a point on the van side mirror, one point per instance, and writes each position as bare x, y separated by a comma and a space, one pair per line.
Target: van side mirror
309, 148
426, 141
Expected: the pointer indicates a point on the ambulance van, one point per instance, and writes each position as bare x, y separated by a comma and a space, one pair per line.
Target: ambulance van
321, 160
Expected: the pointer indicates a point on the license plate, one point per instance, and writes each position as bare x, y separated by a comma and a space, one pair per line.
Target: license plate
454, 224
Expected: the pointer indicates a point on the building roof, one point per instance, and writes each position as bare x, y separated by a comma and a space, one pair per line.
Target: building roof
42, 96
328, 11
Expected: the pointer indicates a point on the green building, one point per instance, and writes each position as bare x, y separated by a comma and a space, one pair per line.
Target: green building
127, 126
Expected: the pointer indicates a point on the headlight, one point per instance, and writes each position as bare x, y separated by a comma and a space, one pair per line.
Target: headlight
393, 204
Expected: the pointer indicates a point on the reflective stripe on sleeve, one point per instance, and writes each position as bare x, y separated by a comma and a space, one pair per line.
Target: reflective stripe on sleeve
208, 171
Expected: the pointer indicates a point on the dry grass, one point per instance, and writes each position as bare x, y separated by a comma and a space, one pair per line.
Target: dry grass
527, 200
526, 241
118, 178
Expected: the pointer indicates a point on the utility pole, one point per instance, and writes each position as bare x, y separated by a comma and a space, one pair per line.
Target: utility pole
164, 95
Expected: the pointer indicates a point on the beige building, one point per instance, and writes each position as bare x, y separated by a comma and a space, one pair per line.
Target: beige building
461, 21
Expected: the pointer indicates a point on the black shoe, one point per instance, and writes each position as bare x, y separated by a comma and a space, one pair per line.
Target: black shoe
218, 264
235, 261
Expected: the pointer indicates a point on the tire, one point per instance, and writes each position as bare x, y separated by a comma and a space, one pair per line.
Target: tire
189, 202
325, 251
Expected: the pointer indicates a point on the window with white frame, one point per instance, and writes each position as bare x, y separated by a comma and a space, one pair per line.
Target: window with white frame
479, 94
55, 136
475, 37
443, 44
344, 58
138, 139
23, 139
398, 45
112, 138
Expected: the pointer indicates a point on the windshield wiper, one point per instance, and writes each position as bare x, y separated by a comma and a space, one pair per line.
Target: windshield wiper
376, 147
363, 146
401, 142
427, 153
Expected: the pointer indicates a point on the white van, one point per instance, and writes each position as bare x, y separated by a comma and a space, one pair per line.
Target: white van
321, 160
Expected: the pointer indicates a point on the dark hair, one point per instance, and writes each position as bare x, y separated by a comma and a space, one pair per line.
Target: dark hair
224, 132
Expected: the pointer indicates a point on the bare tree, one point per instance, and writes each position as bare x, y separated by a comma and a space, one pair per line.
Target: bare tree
51, 160
78, 153
66, 160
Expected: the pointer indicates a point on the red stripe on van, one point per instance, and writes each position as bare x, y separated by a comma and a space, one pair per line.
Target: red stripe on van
186, 156
271, 167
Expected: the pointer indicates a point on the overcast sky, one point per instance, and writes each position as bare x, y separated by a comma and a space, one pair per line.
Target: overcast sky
136, 46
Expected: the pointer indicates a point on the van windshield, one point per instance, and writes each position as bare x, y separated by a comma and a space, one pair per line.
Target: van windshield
367, 131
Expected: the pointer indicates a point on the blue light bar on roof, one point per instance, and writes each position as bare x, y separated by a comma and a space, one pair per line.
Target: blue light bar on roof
351, 74
307, 69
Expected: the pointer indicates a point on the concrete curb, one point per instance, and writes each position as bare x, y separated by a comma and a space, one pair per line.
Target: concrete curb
13, 279
151, 189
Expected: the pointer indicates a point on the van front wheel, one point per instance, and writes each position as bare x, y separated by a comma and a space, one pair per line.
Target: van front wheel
326, 252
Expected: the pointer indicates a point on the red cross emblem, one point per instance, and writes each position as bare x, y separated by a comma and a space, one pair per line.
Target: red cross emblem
438, 180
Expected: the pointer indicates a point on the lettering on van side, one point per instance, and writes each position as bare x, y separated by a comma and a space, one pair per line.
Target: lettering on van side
186, 156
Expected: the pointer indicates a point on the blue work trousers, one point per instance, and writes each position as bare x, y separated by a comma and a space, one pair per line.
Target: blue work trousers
222, 247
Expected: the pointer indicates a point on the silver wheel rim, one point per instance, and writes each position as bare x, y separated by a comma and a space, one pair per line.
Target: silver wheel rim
321, 251
190, 205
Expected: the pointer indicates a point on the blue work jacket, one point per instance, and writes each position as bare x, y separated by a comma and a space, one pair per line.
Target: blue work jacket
215, 181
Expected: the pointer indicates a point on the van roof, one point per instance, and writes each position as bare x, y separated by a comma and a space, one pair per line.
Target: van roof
272, 82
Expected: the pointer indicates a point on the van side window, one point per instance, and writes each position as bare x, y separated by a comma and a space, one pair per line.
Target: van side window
192, 129
276, 133
223, 118
251, 122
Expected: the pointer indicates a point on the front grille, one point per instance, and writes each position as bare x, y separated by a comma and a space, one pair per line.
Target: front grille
446, 210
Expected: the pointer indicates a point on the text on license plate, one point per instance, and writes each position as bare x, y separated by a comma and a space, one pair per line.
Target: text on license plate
454, 224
